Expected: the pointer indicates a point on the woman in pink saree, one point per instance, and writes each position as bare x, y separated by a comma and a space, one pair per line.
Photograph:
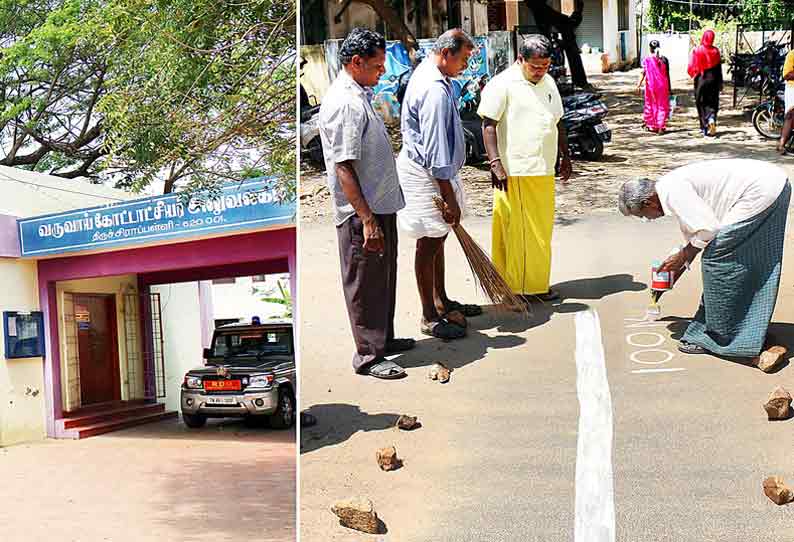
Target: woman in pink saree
656, 75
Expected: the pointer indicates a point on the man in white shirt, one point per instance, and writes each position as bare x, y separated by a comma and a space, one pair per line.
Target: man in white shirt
735, 212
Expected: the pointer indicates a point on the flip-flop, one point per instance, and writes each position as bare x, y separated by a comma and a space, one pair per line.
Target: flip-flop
466, 310
396, 346
443, 329
689, 348
385, 369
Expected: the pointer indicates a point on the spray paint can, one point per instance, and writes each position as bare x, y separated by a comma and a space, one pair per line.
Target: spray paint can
661, 281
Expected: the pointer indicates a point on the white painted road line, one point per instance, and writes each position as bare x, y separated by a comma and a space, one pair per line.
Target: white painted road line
595, 494
670, 370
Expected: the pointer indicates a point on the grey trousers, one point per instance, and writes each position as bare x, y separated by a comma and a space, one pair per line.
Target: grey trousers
369, 282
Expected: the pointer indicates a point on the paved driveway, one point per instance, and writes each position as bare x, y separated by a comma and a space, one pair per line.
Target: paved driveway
155, 482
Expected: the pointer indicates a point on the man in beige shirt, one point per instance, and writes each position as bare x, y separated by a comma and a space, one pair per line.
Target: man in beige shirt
522, 131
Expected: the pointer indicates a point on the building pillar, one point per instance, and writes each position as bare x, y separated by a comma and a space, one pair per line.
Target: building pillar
611, 36
511, 14
206, 312
53, 400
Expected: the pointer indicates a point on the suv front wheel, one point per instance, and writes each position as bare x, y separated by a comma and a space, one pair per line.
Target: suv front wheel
284, 416
194, 421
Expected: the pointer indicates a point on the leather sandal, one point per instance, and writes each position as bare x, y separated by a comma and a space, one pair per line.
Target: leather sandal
385, 369
443, 329
457, 318
689, 348
466, 310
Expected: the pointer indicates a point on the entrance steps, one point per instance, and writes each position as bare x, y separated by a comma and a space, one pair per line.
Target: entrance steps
106, 417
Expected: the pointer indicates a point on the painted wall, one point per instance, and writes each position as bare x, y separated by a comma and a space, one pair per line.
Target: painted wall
355, 15
612, 36
314, 75
675, 47
21, 380
130, 366
182, 333
27, 193
474, 17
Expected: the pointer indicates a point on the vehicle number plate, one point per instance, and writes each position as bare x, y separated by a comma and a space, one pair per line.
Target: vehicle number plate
222, 385
601, 128
221, 400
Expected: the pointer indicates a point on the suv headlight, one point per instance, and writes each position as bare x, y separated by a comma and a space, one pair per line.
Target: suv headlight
193, 382
260, 381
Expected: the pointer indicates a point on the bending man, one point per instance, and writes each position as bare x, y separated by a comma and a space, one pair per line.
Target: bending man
735, 212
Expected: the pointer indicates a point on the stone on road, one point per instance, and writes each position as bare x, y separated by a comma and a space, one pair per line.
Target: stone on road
778, 492
357, 513
778, 404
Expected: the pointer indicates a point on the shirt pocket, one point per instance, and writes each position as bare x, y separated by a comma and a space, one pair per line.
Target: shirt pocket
531, 125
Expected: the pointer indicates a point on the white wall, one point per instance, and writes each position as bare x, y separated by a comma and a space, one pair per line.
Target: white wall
181, 312
675, 47
26, 193
21, 380
612, 35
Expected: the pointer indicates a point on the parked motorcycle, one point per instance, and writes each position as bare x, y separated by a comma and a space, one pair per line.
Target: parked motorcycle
583, 120
769, 115
760, 69
311, 147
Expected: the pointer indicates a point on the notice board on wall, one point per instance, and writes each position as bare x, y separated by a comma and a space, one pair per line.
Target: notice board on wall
23, 334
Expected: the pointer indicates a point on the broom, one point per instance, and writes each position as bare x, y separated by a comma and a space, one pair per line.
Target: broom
485, 274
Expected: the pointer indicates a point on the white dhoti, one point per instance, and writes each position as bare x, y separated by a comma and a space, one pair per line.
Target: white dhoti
420, 217
789, 97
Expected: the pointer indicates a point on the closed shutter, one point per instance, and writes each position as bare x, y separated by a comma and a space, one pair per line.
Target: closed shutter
591, 31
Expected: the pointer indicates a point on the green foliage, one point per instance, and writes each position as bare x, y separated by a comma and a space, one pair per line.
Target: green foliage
664, 15
284, 298
725, 33
184, 93
756, 12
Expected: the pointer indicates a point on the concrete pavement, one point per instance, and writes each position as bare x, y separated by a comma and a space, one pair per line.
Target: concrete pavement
156, 482
496, 457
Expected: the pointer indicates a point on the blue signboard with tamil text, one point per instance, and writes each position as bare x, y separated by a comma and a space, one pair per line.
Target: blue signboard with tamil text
239, 206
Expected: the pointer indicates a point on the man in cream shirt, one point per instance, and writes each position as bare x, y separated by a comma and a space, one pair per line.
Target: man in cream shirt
521, 110
734, 211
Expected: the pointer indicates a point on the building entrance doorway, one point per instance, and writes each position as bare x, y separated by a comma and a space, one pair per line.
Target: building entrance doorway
97, 347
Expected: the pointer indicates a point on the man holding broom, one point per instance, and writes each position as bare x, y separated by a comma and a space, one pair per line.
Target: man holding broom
523, 133
433, 152
366, 194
